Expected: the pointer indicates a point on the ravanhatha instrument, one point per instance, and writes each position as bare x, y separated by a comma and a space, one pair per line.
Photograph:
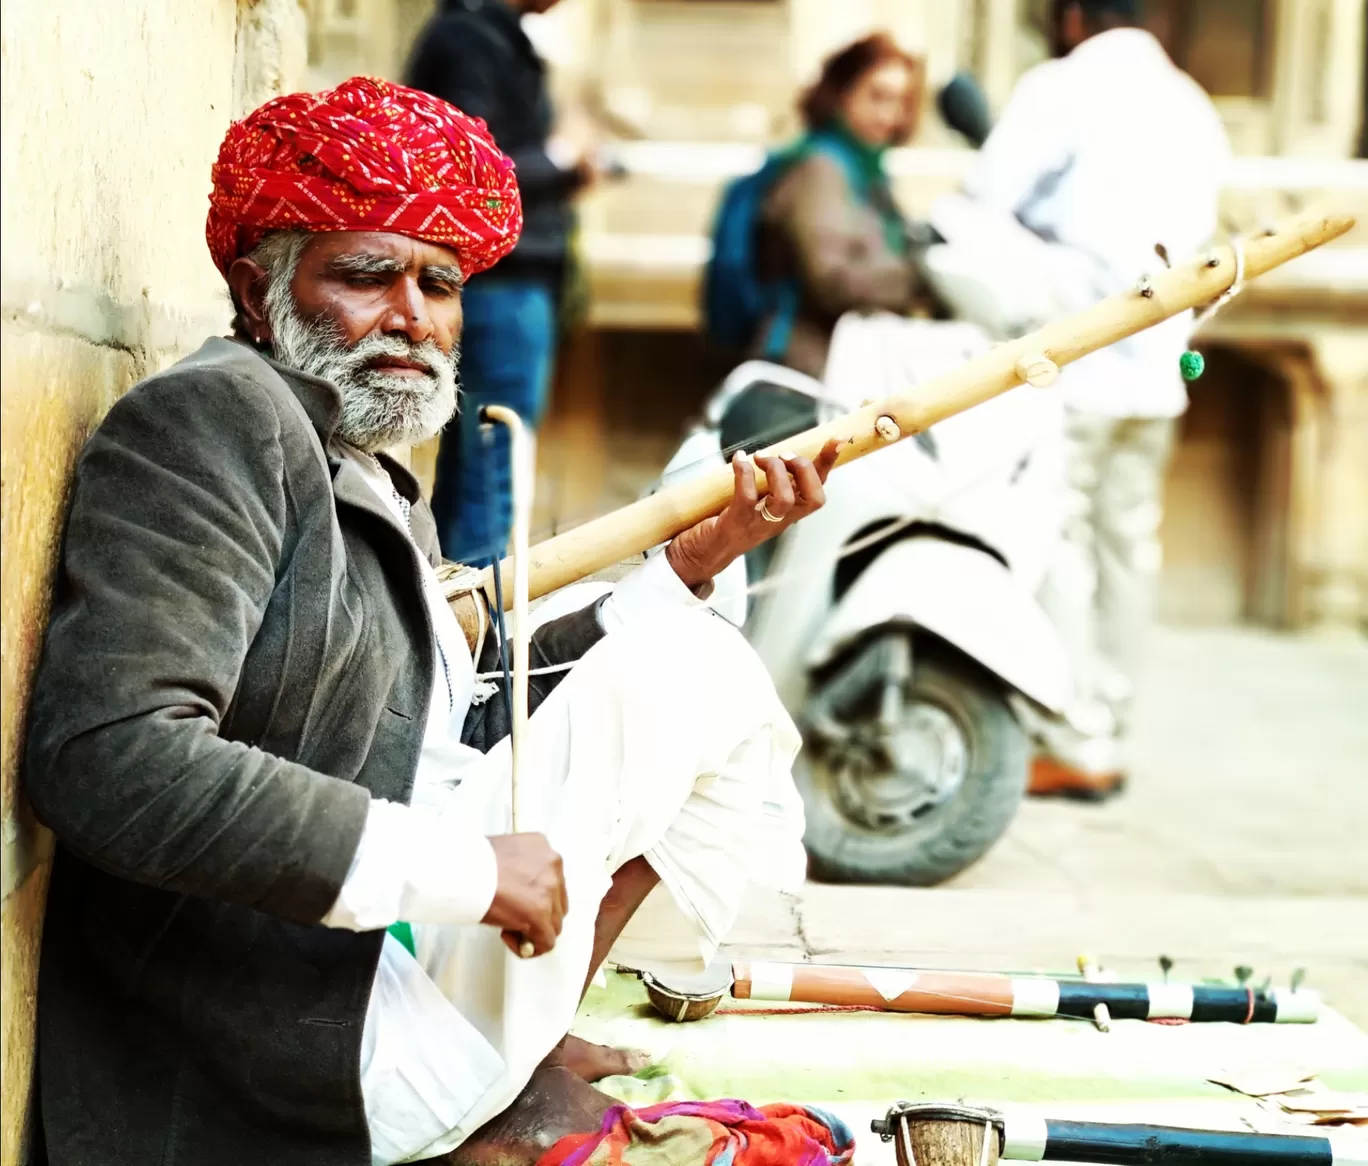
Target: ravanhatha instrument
1036, 358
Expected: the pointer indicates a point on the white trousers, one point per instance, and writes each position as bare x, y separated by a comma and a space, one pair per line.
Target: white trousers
1100, 591
669, 743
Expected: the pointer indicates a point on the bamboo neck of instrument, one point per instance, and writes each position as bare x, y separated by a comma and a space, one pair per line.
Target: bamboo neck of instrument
634, 529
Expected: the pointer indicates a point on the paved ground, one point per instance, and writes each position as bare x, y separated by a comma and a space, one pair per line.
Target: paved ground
1243, 840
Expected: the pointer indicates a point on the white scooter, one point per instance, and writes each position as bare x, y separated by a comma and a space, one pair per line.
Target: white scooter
900, 622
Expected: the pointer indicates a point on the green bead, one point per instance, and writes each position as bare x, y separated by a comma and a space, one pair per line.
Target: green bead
1191, 365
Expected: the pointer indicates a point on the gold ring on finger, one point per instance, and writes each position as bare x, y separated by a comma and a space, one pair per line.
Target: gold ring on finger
767, 515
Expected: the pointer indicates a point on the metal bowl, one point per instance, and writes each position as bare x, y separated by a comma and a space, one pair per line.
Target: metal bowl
690, 998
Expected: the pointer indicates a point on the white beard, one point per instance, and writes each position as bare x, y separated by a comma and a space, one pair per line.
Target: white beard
379, 409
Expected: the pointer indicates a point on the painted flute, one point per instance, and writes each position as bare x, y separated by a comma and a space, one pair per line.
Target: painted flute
993, 994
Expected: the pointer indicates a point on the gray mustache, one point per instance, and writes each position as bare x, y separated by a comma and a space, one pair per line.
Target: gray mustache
366, 351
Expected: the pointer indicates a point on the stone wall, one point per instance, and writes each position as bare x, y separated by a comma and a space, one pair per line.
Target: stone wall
112, 114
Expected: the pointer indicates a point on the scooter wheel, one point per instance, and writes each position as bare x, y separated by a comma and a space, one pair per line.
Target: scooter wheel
853, 842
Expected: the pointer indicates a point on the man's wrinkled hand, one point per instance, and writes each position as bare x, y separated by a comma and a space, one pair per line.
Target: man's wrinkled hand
530, 902
795, 490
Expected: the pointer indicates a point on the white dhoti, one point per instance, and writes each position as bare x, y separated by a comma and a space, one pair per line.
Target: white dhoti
670, 743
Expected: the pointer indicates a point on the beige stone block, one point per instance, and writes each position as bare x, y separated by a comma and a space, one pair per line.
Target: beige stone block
21, 928
53, 390
113, 114
271, 54
1056, 927
768, 926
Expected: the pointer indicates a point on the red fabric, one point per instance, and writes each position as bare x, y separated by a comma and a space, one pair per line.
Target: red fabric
367, 156
708, 1133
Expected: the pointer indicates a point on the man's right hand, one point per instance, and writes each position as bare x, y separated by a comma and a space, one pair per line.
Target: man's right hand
530, 902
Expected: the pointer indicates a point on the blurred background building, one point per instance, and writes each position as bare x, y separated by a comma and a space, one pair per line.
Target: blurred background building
1266, 515
112, 115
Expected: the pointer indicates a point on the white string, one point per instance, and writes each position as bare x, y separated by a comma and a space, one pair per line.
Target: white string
1236, 287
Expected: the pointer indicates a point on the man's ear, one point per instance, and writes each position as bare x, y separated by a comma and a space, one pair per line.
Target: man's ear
247, 282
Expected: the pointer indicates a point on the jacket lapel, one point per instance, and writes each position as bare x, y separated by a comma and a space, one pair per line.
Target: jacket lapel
350, 488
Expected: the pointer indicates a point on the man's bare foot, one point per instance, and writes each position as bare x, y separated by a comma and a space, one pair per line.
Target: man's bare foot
591, 1062
554, 1105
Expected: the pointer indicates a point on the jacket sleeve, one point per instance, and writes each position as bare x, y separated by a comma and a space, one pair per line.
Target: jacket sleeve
456, 62
176, 532
843, 265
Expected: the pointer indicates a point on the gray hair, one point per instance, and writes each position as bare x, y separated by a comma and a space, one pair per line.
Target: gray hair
278, 254
379, 409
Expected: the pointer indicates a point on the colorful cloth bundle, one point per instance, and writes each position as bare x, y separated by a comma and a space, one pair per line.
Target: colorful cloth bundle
709, 1133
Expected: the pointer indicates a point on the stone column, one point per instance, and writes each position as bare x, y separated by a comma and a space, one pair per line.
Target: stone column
1338, 581
1317, 85
995, 40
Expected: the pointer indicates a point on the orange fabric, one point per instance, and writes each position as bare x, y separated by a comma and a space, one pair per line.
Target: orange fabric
709, 1133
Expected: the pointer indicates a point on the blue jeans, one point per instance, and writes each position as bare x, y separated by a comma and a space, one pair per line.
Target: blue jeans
507, 344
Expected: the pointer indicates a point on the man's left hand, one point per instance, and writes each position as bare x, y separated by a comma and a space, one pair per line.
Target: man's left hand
796, 489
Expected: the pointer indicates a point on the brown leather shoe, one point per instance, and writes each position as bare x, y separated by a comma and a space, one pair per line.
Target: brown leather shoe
1053, 779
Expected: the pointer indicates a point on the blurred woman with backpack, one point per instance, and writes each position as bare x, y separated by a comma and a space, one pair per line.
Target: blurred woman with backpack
829, 237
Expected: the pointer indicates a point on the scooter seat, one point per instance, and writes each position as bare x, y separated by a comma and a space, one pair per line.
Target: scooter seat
765, 414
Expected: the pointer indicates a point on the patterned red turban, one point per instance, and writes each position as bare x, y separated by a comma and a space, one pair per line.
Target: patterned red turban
366, 156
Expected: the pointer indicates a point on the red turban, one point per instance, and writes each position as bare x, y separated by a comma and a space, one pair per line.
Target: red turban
366, 156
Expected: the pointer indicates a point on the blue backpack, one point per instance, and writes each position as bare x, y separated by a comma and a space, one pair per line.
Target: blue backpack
736, 301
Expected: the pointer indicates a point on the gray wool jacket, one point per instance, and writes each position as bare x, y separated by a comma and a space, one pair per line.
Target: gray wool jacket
239, 659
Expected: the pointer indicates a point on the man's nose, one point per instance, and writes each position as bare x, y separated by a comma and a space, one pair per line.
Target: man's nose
408, 312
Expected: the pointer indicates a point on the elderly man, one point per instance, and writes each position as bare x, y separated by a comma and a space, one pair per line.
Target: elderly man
286, 907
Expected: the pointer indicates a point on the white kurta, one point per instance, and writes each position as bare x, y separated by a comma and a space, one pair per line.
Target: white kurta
1109, 151
667, 740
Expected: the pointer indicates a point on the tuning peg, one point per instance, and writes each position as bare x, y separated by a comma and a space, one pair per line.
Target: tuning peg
1298, 977
1166, 965
1243, 975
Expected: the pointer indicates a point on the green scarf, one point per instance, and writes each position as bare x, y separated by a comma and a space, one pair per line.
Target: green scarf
864, 167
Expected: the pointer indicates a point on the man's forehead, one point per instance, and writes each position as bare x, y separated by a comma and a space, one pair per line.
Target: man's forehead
326, 246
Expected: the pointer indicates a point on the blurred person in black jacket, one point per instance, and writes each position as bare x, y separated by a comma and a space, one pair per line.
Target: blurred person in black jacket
475, 54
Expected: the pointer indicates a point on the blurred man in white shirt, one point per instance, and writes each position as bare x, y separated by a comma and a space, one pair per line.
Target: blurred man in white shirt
1108, 150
